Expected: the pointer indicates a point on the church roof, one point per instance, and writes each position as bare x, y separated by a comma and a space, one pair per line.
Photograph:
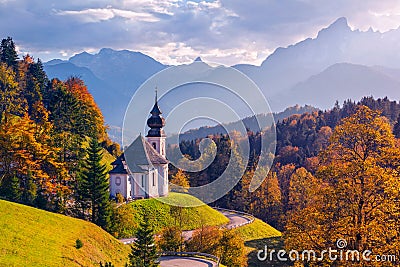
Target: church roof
119, 165
139, 153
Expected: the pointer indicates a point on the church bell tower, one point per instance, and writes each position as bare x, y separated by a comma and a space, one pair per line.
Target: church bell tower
156, 136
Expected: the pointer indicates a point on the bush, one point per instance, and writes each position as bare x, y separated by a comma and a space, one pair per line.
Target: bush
107, 264
170, 239
78, 243
120, 198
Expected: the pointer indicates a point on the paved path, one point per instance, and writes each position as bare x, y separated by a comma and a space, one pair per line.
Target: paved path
171, 261
235, 220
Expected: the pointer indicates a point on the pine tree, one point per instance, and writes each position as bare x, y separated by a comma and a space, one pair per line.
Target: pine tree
144, 253
8, 54
10, 188
94, 186
28, 189
396, 130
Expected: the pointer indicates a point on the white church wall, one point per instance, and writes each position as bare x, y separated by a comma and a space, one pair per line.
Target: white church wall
140, 185
153, 183
119, 184
162, 180
158, 143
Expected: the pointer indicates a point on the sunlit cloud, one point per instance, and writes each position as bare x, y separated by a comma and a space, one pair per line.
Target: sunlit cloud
177, 31
101, 14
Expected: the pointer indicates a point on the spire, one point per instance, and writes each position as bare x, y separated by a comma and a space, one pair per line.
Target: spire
156, 121
156, 109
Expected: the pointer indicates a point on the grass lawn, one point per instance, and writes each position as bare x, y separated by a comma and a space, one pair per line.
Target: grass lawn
160, 215
257, 235
33, 237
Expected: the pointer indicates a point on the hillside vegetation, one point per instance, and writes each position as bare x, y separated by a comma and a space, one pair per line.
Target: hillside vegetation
257, 235
32, 237
162, 215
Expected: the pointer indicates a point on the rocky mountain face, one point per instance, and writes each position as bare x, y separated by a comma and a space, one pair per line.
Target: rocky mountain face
338, 64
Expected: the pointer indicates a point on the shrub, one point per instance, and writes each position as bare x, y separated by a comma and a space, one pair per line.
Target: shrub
78, 243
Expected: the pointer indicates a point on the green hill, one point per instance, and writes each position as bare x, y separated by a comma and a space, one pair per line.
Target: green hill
257, 235
161, 214
257, 230
32, 237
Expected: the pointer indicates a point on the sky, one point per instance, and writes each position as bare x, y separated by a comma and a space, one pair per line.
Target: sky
175, 32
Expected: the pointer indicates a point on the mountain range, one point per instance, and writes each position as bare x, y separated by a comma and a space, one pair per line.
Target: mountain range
338, 64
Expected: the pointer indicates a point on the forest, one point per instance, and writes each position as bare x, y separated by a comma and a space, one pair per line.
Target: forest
335, 173
46, 128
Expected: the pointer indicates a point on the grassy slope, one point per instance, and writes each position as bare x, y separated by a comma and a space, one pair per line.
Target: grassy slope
257, 230
32, 237
160, 216
256, 235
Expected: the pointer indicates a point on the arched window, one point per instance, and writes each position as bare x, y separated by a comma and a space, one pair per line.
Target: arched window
154, 145
143, 181
118, 181
154, 179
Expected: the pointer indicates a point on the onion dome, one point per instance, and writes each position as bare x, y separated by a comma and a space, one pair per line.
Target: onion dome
156, 121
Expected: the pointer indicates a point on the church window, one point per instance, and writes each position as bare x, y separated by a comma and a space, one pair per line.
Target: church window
118, 181
154, 179
154, 145
143, 181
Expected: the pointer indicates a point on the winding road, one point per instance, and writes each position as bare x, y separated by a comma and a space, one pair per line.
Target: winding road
171, 261
235, 220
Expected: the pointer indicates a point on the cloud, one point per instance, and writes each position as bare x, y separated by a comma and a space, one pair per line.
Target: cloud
177, 31
101, 14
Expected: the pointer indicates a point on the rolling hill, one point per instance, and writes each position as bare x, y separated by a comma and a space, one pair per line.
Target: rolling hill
32, 237
160, 215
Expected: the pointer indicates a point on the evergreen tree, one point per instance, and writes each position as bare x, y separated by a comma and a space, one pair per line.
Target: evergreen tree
396, 130
8, 54
144, 252
10, 188
28, 189
94, 186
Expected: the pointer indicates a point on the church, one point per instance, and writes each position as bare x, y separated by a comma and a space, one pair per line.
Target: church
147, 173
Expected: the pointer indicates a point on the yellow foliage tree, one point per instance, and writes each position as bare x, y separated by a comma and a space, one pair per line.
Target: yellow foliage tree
355, 196
180, 182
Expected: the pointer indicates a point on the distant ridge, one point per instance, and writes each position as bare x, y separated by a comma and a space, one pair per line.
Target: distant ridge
286, 77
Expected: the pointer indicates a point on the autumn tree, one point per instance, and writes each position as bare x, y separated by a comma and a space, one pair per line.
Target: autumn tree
356, 194
266, 201
206, 239
232, 250
170, 239
10, 94
180, 179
